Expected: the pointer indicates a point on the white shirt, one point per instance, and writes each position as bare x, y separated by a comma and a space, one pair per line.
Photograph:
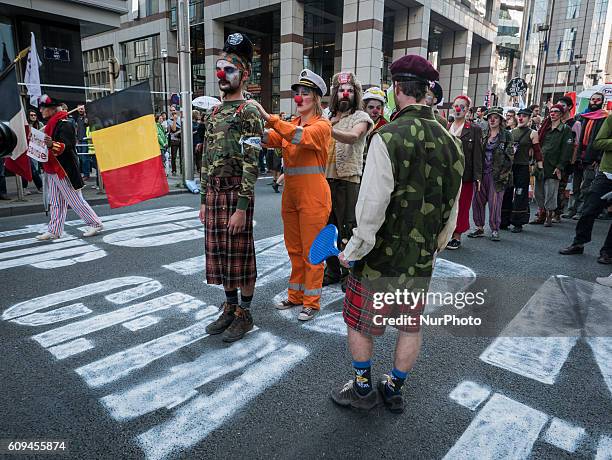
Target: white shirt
374, 196
455, 130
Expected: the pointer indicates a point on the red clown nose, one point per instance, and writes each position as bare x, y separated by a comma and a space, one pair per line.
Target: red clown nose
221, 74
345, 95
457, 109
298, 99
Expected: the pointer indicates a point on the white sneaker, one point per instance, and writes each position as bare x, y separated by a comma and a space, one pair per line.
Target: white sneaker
605, 280
91, 231
47, 236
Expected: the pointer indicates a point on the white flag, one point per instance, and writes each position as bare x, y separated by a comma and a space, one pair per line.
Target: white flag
32, 77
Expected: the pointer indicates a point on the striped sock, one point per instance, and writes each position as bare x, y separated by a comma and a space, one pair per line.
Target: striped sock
363, 380
245, 303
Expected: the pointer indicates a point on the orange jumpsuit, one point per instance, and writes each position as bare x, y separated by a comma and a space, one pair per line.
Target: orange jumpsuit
306, 201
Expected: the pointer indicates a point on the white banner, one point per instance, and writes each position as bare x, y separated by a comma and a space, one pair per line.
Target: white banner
37, 148
32, 76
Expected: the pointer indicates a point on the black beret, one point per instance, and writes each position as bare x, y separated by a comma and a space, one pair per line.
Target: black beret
413, 67
48, 101
436, 89
525, 112
241, 45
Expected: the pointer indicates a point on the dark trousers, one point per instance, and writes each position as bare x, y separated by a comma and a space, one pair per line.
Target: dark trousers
175, 151
562, 198
515, 206
2, 178
344, 199
35, 176
581, 183
593, 205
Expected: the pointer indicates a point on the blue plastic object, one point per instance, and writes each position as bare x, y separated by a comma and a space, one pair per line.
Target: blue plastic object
324, 245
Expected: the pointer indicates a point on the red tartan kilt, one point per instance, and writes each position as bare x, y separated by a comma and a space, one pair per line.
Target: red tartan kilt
359, 311
230, 259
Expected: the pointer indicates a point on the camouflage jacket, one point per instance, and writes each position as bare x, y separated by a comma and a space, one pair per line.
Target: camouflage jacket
232, 141
427, 164
503, 156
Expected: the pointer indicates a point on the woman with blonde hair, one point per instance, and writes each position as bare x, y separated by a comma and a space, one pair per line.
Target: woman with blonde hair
306, 201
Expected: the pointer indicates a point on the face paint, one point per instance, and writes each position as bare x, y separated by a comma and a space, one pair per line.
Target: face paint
298, 99
229, 77
221, 74
374, 109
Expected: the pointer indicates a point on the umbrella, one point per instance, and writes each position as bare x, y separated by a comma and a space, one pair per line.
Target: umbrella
584, 96
205, 102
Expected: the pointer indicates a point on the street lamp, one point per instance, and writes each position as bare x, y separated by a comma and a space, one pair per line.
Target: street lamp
164, 56
576, 68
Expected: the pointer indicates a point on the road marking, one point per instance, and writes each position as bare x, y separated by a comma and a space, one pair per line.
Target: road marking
604, 448
56, 263
129, 295
470, 394
71, 348
141, 323
564, 435
156, 235
40, 303
120, 364
41, 248
106, 320
187, 267
203, 414
332, 323
54, 316
503, 428
29, 241
38, 228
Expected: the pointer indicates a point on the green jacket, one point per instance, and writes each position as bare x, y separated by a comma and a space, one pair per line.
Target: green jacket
557, 148
503, 156
603, 142
427, 163
162, 137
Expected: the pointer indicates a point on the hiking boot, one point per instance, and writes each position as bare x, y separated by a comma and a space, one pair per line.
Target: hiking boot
556, 218
395, 402
307, 314
286, 304
327, 280
243, 323
517, 229
604, 259
476, 233
548, 221
347, 396
495, 236
453, 244
275, 187
539, 218
223, 321
572, 249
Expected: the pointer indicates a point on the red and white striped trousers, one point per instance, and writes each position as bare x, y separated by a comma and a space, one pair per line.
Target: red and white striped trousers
61, 194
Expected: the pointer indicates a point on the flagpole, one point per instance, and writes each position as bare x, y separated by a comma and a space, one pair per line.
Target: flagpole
22, 97
185, 89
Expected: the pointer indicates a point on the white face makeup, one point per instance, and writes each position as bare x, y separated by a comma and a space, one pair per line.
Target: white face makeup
460, 108
374, 109
304, 98
523, 120
229, 76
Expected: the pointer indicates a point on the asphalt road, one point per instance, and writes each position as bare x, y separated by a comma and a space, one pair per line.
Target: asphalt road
122, 369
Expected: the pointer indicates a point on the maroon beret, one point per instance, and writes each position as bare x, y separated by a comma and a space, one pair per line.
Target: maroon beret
413, 67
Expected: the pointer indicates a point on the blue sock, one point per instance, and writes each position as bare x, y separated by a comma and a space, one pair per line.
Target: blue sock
395, 382
363, 381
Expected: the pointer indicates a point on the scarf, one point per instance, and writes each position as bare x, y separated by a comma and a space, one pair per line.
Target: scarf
544, 129
595, 115
52, 166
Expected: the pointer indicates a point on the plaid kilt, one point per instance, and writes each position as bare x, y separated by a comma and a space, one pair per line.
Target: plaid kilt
230, 259
359, 312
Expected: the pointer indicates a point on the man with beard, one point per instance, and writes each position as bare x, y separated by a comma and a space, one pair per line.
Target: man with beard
433, 98
536, 118
575, 127
515, 207
587, 159
350, 125
232, 140
470, 136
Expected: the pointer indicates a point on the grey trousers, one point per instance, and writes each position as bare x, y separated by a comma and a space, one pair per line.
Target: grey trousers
546, 191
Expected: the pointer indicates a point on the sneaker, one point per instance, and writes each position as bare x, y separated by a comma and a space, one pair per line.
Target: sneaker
223, 321
605, 280
569, 214
517, 229
275, 187
572, 249
47, 236
307, 314
286, 304
39, 191
243, 323
576, 216
604, 259
26, 192
476, 233
453, 244
495, 236
91, 231
347, 396
395, 402
556, 218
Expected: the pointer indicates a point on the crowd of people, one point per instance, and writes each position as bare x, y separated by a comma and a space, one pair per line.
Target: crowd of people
399, 191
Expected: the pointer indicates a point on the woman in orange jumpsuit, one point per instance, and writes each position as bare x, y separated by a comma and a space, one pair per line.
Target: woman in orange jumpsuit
306, 201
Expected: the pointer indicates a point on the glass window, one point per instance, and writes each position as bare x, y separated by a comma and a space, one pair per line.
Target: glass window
562, 77
573, 8
567, 45
142, 71
140, 48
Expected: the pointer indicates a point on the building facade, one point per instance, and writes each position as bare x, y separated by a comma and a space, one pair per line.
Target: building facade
508, 48
565, 46
58, 27
326, 36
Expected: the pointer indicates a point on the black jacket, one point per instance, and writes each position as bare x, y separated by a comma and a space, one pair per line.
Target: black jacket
471, 140
68, 159
591, 154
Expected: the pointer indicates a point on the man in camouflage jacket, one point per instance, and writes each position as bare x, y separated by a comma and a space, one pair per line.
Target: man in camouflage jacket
232, 136
405, 211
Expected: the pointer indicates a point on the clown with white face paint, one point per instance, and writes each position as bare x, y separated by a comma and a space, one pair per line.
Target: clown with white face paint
350, 126
374, 101
232, 136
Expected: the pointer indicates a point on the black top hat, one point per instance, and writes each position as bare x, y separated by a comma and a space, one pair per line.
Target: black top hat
241, 45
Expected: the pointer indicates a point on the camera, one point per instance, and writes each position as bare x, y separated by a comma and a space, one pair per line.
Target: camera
8, 139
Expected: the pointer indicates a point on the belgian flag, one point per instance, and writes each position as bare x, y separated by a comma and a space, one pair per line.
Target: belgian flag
124, 135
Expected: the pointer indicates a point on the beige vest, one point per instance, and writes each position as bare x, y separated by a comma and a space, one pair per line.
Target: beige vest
349, 157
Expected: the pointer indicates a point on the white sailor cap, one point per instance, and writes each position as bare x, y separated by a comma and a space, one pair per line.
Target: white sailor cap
311, 80
374, 93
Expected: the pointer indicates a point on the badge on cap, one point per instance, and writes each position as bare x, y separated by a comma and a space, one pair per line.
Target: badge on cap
235, 39
304, 73
344, 78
